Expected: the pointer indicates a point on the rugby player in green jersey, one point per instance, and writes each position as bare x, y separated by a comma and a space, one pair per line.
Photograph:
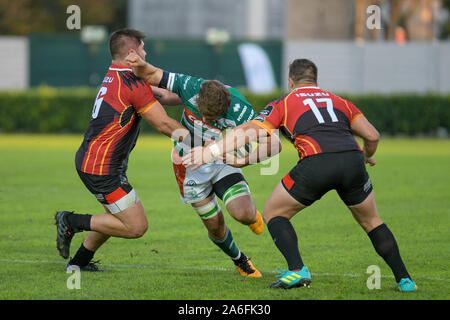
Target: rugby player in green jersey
210, 107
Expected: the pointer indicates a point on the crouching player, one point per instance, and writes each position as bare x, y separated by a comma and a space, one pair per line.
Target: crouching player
122, 102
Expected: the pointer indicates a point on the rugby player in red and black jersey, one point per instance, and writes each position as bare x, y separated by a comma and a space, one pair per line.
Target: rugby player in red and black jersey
321, 126
101, 161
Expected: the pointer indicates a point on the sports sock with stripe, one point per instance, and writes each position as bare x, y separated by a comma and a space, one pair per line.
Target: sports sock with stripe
227, 245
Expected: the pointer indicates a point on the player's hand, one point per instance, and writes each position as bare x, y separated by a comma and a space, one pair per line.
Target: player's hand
371, 161
197, 157
136, 62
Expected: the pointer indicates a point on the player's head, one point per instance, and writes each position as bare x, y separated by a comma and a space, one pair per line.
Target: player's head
213, 100
302, 72
123, 41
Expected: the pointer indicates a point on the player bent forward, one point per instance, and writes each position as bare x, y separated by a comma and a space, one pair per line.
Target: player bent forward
209, 108
321, 127
101, 161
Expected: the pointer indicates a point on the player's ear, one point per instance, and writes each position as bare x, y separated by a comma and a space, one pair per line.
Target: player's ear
130, 51
291, 83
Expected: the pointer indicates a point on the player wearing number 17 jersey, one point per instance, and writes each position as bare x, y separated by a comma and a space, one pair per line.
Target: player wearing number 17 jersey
321, 126
314, 120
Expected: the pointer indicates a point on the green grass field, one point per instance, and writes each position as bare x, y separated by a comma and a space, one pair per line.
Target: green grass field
176, 260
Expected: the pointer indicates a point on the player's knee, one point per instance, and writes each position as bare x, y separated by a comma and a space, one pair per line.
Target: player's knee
138, 228
266, 217
138, 231
243, 210
248, 214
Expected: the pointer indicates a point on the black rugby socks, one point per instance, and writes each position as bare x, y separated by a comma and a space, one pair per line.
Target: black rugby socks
385, 245
285, 238
82, 257
80, 222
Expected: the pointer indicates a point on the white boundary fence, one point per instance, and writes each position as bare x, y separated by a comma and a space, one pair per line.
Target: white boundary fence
378, 67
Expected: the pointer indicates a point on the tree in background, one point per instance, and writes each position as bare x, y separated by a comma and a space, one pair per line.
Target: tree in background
22, 17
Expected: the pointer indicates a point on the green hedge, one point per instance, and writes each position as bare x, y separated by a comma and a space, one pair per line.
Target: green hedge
50, 110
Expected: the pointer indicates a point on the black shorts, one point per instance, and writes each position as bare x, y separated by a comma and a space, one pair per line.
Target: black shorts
314, 176
107, 189
221, 186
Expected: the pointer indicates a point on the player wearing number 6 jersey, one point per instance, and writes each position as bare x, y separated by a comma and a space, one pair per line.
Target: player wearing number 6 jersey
101, 161
321, 127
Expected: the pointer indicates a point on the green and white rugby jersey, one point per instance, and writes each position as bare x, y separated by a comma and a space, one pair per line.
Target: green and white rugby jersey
187, 88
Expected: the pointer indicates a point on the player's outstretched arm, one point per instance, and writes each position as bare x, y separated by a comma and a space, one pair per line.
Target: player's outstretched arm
159, 119
234, 139
267, 147
166, 97
364, 129
143, 69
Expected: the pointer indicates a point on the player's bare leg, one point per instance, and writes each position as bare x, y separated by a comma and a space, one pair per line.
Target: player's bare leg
130, 223
243, 209
216, 224
95, 240
218, 232
383, 240
281, 204
366, 213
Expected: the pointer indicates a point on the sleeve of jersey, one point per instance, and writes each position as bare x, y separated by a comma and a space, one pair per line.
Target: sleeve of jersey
184, 85
142, 98
355, 113
270, 118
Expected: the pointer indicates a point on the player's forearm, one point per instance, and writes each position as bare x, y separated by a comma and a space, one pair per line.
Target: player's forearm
267, 147
166, 97
151, 74
172, 128
364, 129
370, 147
236, 138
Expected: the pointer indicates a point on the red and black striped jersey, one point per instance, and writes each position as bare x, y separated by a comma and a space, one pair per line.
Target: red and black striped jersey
314, 120
115, 122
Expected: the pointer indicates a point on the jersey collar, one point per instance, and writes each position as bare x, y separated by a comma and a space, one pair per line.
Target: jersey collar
116, 67
307, 87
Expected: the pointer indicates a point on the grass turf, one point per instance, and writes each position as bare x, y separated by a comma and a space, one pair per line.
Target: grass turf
175, 259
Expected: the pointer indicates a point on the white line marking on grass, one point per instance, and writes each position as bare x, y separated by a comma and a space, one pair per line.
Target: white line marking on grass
144, 266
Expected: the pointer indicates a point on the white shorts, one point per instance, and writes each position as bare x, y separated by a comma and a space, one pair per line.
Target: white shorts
123, 203
197, 185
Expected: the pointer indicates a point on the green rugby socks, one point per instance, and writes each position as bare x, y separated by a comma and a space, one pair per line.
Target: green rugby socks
227, 245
